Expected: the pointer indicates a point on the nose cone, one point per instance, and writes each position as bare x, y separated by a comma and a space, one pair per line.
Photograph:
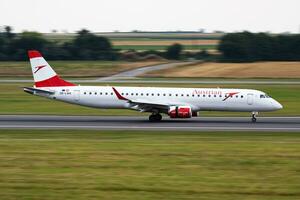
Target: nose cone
276, 105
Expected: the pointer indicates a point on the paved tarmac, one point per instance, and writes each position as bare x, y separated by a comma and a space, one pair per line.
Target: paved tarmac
142, 70
278, 124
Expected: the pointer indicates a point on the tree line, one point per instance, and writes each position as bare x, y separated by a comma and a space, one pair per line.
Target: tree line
250, 47
85, 46
236, 47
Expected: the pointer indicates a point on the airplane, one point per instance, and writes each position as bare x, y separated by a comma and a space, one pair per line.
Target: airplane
175, 102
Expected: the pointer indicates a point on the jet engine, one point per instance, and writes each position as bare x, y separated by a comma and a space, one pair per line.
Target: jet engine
180, 112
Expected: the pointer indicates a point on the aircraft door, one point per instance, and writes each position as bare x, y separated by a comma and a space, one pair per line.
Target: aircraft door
250, 99
76, 95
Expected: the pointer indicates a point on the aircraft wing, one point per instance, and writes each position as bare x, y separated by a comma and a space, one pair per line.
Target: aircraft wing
145, 105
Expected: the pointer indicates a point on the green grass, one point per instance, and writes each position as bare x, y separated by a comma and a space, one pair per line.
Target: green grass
149, 165
163, 47
14, 101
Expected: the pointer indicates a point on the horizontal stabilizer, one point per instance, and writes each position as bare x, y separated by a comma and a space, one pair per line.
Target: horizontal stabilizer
32, 90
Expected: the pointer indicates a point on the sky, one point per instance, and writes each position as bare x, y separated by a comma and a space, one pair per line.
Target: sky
275, 16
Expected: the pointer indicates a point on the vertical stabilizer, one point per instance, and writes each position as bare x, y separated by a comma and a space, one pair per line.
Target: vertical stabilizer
43, 74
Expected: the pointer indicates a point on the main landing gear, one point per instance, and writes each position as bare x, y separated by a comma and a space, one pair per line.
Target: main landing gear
155, 117
254, 114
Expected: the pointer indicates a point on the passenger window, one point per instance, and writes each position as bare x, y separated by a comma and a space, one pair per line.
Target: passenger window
84, 93
242, 96
90, 93
170, 95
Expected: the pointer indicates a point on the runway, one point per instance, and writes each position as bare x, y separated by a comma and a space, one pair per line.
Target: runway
278, 124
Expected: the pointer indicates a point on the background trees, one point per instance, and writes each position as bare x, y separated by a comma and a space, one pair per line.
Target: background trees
236, 47
85, 46
250, 47
173, 51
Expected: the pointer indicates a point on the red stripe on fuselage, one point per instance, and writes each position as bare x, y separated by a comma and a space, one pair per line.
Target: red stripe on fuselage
54, 81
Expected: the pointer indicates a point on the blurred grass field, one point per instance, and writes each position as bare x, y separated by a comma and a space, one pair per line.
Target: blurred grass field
13, 69
149, 165
14, 101
143, 41
287, 70
195, 47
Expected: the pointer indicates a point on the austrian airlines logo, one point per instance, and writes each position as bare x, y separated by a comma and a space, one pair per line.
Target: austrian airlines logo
38, 68
230, 94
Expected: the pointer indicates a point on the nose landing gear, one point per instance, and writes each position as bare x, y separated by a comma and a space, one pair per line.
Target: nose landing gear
155, 117
254, 114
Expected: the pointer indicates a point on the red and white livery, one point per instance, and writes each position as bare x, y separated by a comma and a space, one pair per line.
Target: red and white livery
175, 102
43, 74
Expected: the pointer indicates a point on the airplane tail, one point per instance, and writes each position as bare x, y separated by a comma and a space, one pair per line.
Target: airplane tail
43, 74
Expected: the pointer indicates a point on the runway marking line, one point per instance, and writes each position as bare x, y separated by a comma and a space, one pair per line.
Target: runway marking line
151, 128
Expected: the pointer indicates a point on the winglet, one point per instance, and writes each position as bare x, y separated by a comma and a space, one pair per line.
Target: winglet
118, 94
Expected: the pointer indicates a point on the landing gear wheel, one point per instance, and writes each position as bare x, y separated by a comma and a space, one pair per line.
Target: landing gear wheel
155, 118
159, 117
254, 117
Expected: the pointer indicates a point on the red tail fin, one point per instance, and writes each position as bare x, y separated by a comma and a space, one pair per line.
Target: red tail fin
43, 74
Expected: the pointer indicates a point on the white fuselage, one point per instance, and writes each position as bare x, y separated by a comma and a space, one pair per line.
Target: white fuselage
199, 99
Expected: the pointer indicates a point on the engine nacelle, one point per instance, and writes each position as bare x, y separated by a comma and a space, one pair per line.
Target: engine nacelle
180, 112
